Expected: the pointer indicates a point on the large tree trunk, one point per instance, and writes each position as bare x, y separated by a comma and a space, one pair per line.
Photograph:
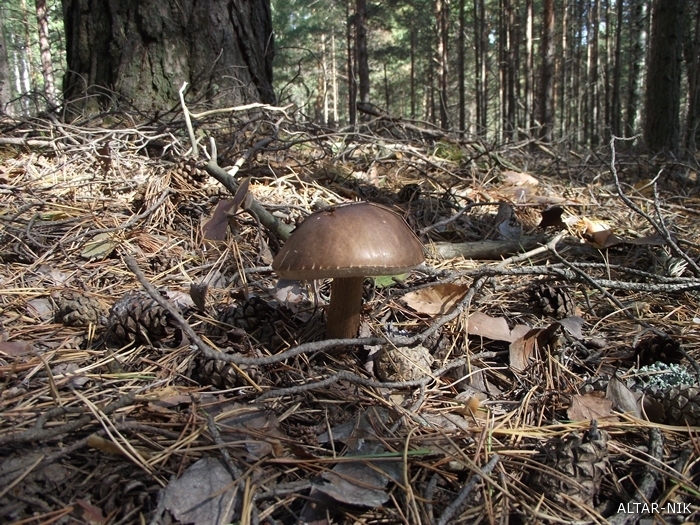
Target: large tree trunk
663, 94
140, 53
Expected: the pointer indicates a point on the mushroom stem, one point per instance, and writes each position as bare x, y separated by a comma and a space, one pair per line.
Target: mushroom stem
344, 310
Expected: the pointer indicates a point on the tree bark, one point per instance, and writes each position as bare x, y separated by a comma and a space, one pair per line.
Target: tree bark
546, 98
480, 65
529, 68
362, 59
460, 70
42, 19
413, 72
594, 99
5, 80
636, 57
663, 93
442, 25
352, 80
616, 110
140, 53
692, 60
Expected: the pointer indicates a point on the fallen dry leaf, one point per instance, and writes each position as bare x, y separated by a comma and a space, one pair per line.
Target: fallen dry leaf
588, 407
523, 349
517, 178
215, 228
16, 348
203, 494
624, 399
435, 300
495, 328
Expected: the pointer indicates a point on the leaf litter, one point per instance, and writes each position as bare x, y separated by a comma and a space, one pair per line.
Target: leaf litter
212, 397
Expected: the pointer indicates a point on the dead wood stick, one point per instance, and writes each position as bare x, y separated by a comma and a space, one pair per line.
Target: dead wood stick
278, 228
37, 433
489, 250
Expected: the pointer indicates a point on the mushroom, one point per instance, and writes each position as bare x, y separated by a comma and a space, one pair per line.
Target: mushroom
348, 243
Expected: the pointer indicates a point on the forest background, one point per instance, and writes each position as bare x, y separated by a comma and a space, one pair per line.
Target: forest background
570, 71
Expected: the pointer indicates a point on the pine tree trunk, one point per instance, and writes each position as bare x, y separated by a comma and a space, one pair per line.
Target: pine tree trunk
362, 60
334, 77
480, 64
636, 61
413, 72
442, 26
513, 46
616, 109
546, 95
352, 81
5, 80
663, 93
563, 72
692, 60
141, 52
45, 50
594, 107
460, 70
529, 69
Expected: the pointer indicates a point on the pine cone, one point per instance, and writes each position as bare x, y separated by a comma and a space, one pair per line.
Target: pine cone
75, 309
673, 405
138, 317
257, 319
186, 175
582, 463
658, 348
555, 301
221, 375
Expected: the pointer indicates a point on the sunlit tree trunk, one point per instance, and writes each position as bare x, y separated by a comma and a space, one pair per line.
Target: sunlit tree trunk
334, 77
5, 78
663, 93
27, 70
45, 52
480, 66
529, 69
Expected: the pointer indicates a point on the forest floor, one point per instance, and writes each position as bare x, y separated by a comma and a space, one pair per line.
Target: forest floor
541, 366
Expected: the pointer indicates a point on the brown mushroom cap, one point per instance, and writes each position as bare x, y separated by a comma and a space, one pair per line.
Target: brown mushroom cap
350, 240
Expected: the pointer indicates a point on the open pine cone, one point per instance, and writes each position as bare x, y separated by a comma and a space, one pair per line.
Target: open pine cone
582, 462
76, 309
138, 317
